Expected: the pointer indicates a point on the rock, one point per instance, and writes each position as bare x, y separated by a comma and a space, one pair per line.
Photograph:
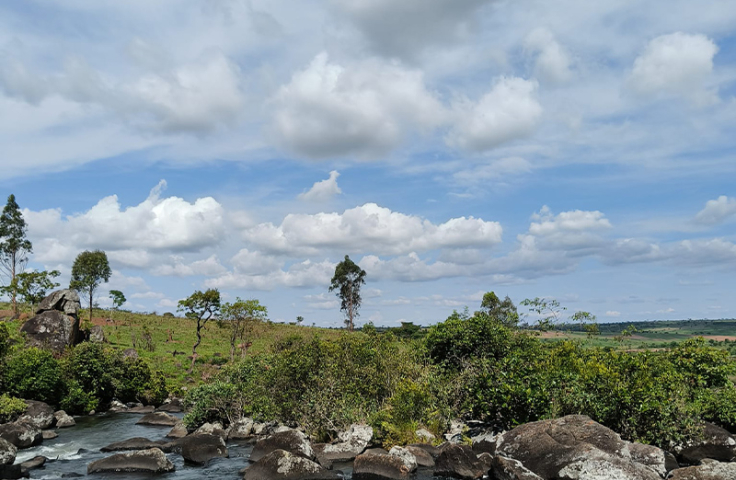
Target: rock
380, 467
242, 428
410, 461
118, 406
173, 406
158, 418
707, 470
430, 449
352, 443
211, 429
508, 469
38, 414
96, 334
141, 409
260, 428
179, 431
131, 353
148, 461
292, 441
283, 465
716, 444
484, 443
486, 460
653, 457
35, 462
49, 434
136, 443
424, 435
458, 461
63, 420
12, 472
22, 435
456, 431
572, 447
51, 329
65, 301
8, 452
422, 457
198, 448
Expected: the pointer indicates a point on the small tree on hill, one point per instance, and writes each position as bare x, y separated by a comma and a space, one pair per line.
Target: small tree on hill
118, 299
14, 246
503, 311
243, 316
347, 281
200, 307
32, 287
89, 269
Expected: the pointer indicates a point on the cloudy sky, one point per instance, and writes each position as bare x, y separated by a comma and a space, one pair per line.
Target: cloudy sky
579, 150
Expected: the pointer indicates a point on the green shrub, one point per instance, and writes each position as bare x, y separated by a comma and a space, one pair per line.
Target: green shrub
93, 370
215, 402
33, 374
4, 340
11, 408
78, 401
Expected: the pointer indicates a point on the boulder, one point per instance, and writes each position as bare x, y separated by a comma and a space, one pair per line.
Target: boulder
65, 301
458, 461
131, 353
146, 461
12, 472
63, 420
572, 447
198, 448
422, 457
172, 406
261, 428
430, 449
96, 334
49, 434
282, 465
508, 469
178, 431
351, 444
716, 444
240, 429
36, 462
455, 433
292, 441
118, 406
7, 452
424, 435
653, 457
141, 409
51, 329
410, 461
485, 443
707, 470
22, 435
380, 467
136, 443
38, 414
158, 418
211, 429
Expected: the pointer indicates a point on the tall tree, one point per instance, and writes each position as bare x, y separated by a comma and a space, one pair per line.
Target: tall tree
200, 307
503, 311
14, 246
346, 282
89, 269
243, 316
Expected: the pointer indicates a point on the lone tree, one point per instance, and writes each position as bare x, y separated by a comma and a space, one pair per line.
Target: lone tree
200, 307
243, 316
347, 281
503, 311
32, 287
118, 299
89, 269
14, 246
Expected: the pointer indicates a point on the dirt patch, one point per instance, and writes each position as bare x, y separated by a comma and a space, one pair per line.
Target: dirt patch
720, 338
551, 334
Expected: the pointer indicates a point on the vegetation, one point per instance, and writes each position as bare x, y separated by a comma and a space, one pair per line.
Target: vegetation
89, 269
32, 287
243, 317
14, 246
201, 307
346, 282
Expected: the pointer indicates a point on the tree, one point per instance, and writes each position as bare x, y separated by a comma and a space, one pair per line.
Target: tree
503, 311
89, 269
347, 281
200, 307
243, 317
14, 246
118, 299
548, 312
32, 287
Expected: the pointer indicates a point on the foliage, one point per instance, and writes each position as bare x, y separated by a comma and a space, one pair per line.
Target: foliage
4, 339
11, 408
33, 374
32, 287
92, 369
88, 270
201, 307
503, 311
216, 401
347, 281
547, 311
243, 316
118, 299
14, 246
77, 400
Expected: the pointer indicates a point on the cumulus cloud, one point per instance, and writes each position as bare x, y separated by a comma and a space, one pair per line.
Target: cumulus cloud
494, 170
552, 61
177, 267
323, 190
371, 228
509, 111
302, 274
677, 63
716, 211
366, 109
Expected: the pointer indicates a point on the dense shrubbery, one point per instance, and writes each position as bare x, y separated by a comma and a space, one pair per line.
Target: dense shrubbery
33, 374
11, 408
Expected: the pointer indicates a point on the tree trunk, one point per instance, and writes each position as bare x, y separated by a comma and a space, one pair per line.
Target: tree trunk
90, 306
15, 286
196, 344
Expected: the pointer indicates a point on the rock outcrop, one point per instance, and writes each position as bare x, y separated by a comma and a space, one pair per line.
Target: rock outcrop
147, 461
716, 444
292, 441
56, 323
158, 418
351, 444
22, 435
707, 470
283, 465
8, 452
459, 461
38, 414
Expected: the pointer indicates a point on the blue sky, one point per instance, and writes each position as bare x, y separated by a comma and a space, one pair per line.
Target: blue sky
571, 150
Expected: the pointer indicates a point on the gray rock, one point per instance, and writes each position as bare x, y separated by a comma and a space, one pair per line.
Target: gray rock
96, 334
292, 441
12, 472
198, 448
260, 428
172, 406
38, 414
456, 431
211, 429
22, 435
158, 418
242, 428
178, 431
410, 461
430, 449
508, 469
148, 461
118, 406
485, 443
66, 301
707, 470
380, 467
130, 353
49, 434
136, 443
658, 460
8, 451
424, 435
51, 329
63, 420
351, 444
716, 444
458, 461
36, 462
141, 409
423, 458
283, 465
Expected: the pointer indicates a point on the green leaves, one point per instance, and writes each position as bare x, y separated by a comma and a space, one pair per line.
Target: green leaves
201, 306
89, 269
347, 281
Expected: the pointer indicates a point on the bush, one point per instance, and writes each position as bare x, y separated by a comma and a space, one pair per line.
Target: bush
77, 401
93, 370
11, 408
4, 339
215, 402
33, 374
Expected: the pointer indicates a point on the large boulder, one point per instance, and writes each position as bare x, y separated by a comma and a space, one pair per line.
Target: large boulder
421, 455
380, 467
137, 443
573, 447
716, 443
282, 465
292, 441
38, 414
22, 435
198, 448
351, 444
63, 420
96, 334
65, 301
178, 431
240, 429
172, 406
158, 418
707, 470
12, 472
36, 462
458, 461
145, 461
211, 429
509, 469
7, 452
51, 329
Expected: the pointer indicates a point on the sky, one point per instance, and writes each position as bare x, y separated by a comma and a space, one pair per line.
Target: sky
572, 150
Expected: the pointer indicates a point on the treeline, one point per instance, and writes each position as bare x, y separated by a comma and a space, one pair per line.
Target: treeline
480, 366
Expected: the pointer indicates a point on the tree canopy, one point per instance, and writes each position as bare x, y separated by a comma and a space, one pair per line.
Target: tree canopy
200, 307
346, 282
88, 271
14, 246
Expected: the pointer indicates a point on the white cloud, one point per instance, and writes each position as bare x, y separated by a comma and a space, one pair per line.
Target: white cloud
371, 228
209, 266
323, 190
677, 63
509, 111
494, 170
552, 62
716, 211
366, 109
247, 262
303, 274
613, 313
